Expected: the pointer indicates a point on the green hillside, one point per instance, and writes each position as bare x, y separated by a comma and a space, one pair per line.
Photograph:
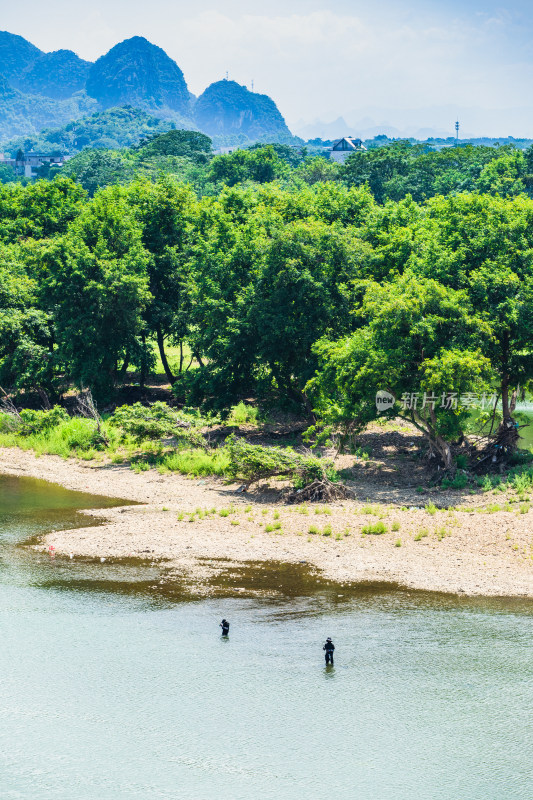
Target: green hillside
136, 72
228, 108
58, 75
112, 129
31, 113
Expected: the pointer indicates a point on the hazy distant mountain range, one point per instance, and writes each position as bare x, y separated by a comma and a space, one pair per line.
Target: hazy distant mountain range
40, 90
418, 123
366, 128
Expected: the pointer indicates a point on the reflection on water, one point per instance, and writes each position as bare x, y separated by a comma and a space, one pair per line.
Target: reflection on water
115, 686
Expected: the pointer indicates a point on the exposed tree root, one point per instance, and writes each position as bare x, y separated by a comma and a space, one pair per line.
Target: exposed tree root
320, 490
499, 448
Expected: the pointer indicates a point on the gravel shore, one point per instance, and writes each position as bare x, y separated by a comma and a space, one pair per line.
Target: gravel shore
475, 552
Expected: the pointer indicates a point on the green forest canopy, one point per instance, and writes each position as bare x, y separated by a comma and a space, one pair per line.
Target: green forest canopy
291, 280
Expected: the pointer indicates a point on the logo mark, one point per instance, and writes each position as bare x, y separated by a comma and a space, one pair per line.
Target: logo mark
384, 400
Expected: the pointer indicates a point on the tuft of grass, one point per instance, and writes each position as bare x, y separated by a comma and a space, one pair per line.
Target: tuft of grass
375, 529
276, 526
440, 533
398, 543
180, 515
323, 510
395, 526
197, 462
459, 481
326, 531
224, 512
313, 530
241, 414
431, 509
140, 466
423, 532
524, 508
486, 484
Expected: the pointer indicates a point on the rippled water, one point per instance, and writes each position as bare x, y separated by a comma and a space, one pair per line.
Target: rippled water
109, 693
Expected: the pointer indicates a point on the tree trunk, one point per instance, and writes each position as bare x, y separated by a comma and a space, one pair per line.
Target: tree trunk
445, 452
44, 399
161, 346
505, 398
196, 354
142, 373
436, 442
124, 368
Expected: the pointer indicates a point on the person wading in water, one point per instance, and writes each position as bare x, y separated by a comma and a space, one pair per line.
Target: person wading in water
329, 647
225, 627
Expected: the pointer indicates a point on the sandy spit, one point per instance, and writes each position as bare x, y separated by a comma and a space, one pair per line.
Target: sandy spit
460, 552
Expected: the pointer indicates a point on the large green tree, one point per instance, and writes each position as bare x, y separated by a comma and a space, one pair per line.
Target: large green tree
483, 246
419, 341
164, 210
96, 287
26, 343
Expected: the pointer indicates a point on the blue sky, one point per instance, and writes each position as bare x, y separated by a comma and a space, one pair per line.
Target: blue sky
410, 62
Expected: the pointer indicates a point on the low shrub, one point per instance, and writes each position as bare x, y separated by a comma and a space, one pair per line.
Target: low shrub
253, 462
241, 414
35, 422
8, 422
158, 421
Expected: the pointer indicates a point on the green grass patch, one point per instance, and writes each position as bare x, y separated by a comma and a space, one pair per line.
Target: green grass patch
242, 414
196, 462
375, 529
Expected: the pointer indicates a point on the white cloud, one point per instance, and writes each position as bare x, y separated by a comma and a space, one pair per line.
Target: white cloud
324, 62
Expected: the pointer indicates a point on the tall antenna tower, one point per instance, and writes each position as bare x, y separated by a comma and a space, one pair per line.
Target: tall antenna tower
457, 132
227, 75
252, 84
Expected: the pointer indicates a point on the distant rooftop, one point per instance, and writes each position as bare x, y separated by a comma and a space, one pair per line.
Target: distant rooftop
348, 143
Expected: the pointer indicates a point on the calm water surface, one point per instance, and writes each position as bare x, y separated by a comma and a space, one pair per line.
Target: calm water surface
109, 692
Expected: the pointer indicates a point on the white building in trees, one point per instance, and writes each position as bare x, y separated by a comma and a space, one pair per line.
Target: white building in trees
342, 148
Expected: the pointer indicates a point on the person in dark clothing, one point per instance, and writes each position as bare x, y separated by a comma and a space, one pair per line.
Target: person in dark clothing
328, 648
225, 627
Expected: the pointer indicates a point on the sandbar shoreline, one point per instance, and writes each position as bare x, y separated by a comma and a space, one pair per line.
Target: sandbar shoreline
460, 552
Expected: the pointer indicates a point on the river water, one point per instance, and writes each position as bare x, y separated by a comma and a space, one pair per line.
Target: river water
111, 690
